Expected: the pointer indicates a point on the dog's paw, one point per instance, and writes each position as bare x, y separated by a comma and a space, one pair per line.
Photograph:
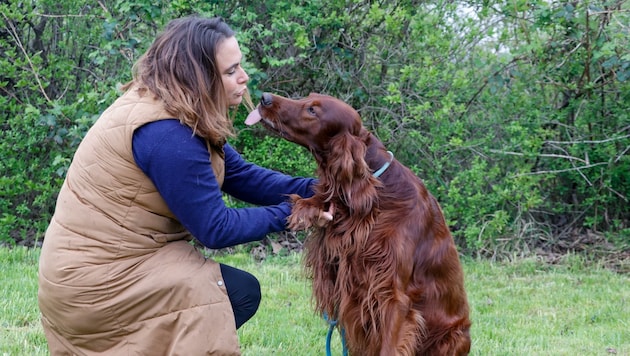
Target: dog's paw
306, 213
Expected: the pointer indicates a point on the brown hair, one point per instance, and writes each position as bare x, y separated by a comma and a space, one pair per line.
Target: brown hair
180, 69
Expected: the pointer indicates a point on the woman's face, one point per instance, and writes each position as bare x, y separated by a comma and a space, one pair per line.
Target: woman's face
234, 78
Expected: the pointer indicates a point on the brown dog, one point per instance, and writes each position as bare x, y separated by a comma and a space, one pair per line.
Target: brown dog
386, 266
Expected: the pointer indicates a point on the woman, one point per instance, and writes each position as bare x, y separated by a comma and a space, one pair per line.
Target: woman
118, 274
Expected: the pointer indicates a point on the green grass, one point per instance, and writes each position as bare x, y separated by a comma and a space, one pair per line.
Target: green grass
518, 308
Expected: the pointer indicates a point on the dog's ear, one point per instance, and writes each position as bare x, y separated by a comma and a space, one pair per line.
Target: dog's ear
347, 158
348, 175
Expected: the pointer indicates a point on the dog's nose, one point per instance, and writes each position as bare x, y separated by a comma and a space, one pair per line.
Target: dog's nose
265, 99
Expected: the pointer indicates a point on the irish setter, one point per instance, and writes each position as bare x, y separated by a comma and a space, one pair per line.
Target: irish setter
386, 266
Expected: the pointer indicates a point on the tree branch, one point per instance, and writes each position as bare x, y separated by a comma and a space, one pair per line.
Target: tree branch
14, 34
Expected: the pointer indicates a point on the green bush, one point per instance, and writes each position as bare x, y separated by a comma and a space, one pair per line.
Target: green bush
514, 115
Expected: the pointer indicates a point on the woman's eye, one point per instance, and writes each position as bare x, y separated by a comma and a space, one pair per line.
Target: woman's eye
231, 70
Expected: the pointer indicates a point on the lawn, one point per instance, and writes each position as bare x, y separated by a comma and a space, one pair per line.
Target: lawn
524, 307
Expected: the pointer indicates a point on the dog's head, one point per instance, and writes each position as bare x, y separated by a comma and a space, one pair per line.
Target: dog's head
332, 130
316, 122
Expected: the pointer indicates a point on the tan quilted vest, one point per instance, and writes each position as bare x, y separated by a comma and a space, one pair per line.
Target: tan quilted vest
117, 273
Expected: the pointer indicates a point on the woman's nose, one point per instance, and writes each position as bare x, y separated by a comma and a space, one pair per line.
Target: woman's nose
244, 78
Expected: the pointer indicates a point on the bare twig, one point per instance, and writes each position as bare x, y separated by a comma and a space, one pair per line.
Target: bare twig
561, 170
569, 55
485, 83
541, 155
57, 16
16, 37
589, 141
623, 153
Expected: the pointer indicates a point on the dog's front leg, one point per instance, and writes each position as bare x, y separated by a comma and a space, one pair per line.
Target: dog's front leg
308, 212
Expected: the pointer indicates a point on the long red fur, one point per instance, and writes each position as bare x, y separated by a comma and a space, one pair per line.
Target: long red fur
386, 267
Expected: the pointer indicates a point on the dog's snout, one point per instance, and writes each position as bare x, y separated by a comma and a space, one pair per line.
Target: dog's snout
265, 99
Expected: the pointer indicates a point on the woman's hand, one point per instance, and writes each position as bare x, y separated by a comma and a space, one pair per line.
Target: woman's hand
325, 216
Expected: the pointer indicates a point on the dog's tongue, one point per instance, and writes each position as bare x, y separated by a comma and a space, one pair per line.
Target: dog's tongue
253, 117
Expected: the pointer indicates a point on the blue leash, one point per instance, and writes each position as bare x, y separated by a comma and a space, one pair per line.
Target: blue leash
332, 324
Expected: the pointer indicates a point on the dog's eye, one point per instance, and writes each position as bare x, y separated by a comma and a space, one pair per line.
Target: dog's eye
311, 110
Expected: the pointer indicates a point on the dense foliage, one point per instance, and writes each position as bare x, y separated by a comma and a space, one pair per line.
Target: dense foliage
516, 114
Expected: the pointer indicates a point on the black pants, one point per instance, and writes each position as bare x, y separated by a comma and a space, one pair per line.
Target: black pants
244, 292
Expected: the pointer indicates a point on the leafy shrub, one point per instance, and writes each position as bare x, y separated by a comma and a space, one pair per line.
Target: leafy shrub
514, 115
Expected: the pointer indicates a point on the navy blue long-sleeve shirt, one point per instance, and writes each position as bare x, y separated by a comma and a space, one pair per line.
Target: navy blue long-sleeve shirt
178, 164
